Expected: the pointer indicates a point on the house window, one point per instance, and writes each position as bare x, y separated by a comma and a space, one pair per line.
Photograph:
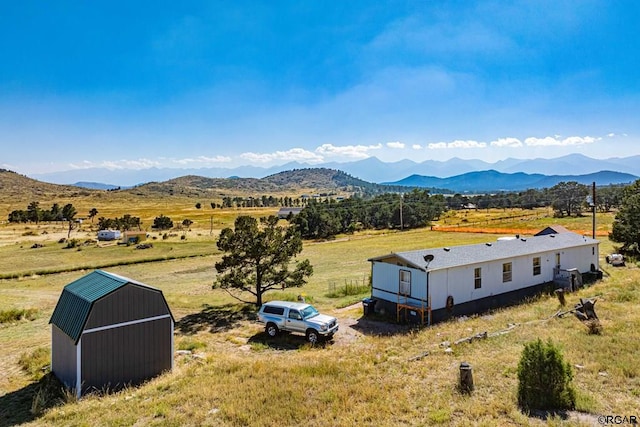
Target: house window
477, 278
405, 283
558, 260
506, 272
536, 266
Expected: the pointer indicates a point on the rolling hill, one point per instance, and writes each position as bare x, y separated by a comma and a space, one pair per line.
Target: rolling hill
21, 187
18, 187
310, 180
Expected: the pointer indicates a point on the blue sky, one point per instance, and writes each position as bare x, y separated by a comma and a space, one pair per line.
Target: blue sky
123, 84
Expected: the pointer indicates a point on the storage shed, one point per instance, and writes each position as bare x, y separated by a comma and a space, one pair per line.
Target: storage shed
284, 213
109, 331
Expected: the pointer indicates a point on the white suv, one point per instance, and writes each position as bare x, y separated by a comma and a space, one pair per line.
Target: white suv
296, 317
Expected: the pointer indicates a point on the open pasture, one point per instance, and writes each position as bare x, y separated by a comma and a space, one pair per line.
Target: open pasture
369, 375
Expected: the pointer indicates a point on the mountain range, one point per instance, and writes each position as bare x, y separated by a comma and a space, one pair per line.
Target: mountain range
306, 180
494, 181
370, 169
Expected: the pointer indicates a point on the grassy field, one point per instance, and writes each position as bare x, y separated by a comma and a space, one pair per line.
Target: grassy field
369, 375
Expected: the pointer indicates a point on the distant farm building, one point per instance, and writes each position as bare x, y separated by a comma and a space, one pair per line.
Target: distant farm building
553, 229
431, 285
108, 235
108, 331
285, 212
134, 236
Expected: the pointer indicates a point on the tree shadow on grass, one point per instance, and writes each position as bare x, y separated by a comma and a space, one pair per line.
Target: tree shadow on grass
29, 403
216, 318
285, 341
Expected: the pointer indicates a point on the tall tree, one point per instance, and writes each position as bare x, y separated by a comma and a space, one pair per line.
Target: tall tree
35, 213
257, 258
568, 197
162, 223
69, 215
626, 225
92, 213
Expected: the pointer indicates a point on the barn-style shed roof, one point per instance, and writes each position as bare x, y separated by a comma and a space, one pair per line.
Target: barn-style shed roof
456, 256
553, 229
73, 308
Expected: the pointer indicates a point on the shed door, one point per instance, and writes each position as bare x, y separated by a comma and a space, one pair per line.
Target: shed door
113, 358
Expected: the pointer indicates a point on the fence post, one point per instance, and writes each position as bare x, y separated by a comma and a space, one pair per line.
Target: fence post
466, 378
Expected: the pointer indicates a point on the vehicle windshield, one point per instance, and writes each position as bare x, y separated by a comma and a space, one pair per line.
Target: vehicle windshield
309, 311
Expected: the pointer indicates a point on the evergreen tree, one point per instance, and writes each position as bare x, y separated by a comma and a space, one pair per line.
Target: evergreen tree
257, 258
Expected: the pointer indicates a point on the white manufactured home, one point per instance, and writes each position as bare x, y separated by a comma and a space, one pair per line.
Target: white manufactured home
108, 234
431, 285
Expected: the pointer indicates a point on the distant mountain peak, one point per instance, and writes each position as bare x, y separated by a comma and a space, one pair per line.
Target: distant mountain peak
370, 169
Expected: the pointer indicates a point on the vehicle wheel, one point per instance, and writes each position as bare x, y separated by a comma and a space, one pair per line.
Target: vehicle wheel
271, 329
312, 336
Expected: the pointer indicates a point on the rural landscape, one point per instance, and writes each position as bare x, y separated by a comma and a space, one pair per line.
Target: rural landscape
375, 370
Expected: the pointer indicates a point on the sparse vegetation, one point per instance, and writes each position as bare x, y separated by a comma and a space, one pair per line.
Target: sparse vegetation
544, 378
365, 377
15, 315
36, 363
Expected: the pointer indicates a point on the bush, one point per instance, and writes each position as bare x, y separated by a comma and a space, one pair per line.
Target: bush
36, 363
73, 243
15, 314
544, 379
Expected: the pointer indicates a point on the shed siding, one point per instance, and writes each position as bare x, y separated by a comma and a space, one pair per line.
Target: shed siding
116, 357
130, 302
63, 357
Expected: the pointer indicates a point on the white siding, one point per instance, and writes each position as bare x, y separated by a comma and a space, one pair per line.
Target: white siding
458, 282
386, 281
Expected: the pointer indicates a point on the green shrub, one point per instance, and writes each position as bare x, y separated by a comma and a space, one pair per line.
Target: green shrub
544, 379
191, 345
15, 314
73, 243
36, 363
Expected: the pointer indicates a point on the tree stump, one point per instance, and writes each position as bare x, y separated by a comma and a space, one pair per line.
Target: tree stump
466, 378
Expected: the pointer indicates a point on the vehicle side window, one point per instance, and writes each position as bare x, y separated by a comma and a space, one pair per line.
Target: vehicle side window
294, 315
269, 309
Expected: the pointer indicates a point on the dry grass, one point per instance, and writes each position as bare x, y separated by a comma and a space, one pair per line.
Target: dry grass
236, 376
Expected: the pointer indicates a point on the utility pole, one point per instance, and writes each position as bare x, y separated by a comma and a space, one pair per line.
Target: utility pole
401, 222
593, 201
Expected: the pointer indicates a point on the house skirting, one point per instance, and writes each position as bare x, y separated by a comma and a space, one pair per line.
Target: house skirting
468, 308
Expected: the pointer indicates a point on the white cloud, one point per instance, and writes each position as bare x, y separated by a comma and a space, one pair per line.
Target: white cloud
458, 144
294, 154
506, 142
611, 135
203, 160
467, 144
395, 144
437, 145
557, 141
416, 147
351, 151
116, 164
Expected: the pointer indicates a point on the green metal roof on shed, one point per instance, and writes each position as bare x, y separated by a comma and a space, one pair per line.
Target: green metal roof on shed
74, 305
